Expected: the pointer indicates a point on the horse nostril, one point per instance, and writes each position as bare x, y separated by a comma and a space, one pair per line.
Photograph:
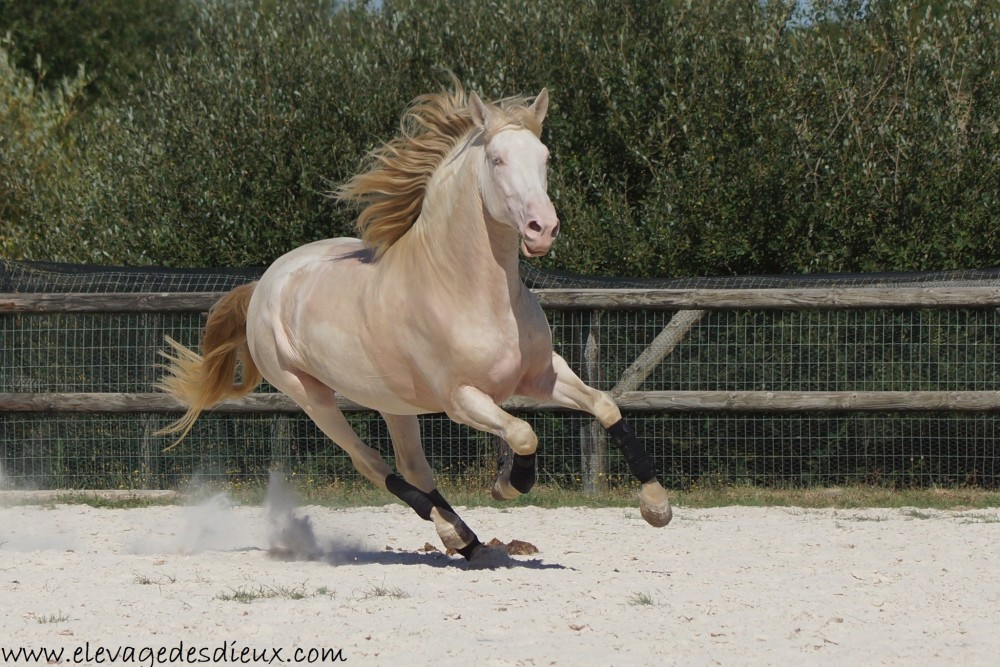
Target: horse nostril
555, 230
534, 227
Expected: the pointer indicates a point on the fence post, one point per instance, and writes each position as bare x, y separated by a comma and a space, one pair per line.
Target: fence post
149, 444
593, 441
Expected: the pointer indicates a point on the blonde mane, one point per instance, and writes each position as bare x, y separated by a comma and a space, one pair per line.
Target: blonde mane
392, 188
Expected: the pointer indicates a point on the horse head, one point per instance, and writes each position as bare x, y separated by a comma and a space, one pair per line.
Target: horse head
514, 179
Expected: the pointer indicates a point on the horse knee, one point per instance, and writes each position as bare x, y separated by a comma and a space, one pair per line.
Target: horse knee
521, 438
369, 464
606, 410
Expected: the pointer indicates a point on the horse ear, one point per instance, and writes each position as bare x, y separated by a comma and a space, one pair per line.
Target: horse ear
480, 112
540, 105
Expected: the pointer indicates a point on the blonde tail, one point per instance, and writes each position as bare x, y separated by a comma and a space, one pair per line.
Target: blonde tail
201, 381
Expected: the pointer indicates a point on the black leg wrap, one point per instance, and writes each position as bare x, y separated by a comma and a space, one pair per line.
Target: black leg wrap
470, 549
639, 461
421, 502
439, 501
522, 472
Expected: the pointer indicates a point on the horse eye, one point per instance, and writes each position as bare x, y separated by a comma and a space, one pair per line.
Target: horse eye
497, 161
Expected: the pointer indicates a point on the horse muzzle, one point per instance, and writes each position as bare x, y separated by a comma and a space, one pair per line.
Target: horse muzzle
538, 235
535, 250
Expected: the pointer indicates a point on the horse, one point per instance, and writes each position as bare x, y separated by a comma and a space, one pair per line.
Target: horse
425, 313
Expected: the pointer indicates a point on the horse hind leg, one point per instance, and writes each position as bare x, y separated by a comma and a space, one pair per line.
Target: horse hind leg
450, 527
319, 402
416, 487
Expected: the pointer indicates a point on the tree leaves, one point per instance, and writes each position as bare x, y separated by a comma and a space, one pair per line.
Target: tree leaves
687, 138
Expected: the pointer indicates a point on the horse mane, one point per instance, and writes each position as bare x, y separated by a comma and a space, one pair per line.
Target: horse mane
391, 189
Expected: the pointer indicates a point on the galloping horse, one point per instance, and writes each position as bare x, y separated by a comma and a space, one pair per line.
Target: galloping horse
425, 313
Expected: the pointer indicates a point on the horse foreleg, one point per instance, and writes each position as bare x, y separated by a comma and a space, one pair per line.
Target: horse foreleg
570, 391
416, 486
472, 407
516, 478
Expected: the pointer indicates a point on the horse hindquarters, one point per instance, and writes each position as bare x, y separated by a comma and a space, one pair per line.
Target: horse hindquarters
200, 381
274, 354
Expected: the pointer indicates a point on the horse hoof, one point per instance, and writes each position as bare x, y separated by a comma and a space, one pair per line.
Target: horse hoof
471, 550
452, 530
502, 490
654, 506
485, 557
657, 517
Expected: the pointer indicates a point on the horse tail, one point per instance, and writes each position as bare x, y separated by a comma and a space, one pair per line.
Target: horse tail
200, 381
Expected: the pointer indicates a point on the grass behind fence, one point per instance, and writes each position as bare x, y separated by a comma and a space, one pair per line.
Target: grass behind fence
887, 450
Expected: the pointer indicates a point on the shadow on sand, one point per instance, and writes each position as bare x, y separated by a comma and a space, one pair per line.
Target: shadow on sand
292, 538
491, 559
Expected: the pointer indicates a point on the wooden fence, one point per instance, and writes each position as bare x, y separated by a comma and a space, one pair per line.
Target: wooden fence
690, 305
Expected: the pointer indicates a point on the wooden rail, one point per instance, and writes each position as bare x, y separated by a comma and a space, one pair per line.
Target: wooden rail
637, 401
691, 305
686, 300
569, 299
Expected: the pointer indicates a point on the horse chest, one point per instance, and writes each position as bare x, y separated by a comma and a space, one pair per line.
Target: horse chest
497, 357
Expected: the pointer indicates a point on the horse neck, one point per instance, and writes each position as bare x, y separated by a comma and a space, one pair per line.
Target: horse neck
455, 239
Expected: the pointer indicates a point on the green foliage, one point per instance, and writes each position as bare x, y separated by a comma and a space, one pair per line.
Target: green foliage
688, 138
35, 149
225, 160
115, 40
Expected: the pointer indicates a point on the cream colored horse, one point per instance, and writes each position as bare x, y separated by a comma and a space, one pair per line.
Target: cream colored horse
426, 313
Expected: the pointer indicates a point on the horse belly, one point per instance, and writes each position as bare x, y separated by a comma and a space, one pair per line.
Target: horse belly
356, 367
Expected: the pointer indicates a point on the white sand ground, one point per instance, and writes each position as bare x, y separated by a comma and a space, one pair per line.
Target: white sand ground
730, 586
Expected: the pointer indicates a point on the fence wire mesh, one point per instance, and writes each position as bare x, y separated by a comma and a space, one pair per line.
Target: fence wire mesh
864, 350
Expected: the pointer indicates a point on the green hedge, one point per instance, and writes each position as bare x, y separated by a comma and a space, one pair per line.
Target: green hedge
116, 41
688, 138
36, 153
